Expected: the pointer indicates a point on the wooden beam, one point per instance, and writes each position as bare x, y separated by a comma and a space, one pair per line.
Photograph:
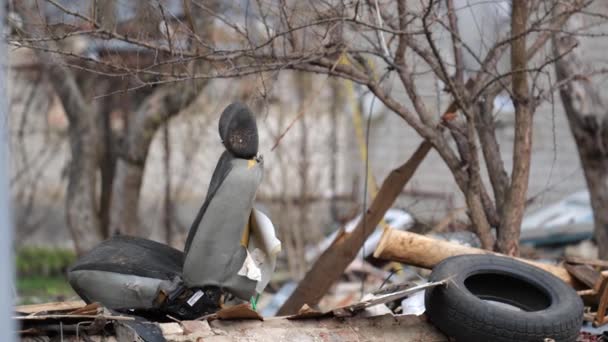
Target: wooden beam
50, 307
422, 251
332, 263
584, 274
584, 261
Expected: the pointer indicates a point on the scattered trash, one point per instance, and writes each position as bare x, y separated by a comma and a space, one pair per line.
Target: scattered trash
395, 218
385, 298
596, 292
77, 316
279, 298
413, 305
397, 301
366, 321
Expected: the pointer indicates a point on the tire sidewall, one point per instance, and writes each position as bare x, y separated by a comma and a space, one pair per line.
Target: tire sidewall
447, 305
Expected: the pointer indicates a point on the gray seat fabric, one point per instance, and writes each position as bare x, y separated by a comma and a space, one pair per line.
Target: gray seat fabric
126, 272
220, 252
134, 256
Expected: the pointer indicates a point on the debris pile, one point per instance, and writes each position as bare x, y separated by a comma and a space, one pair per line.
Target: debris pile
77, 321
394, 311
212, 289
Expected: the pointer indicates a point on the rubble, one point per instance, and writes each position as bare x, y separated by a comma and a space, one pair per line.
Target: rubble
394, 312
596, 292
73, 320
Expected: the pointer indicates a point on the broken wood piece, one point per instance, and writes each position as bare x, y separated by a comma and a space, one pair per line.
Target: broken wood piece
240, 311
584, 261
50, 307
331, 264
306, 312
422, 251
584, 274
89, 309
597, 294
59, 317
602, 282
384, 298
407, 328
398, 291
602, 289
587, 292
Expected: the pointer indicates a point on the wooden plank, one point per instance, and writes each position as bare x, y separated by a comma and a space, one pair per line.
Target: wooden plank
72, 317
240, 311
75, 339
602, 282
423, 251
584, 274
600, 316
49, 307
602, 288
590, 262
332, 263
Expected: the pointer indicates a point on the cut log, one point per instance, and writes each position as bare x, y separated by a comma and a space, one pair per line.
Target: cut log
422, 251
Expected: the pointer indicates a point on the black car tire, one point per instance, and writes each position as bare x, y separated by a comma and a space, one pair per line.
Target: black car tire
466, 309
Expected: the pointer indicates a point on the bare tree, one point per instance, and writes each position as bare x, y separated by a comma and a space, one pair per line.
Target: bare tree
588, 119
94, 215
377, 39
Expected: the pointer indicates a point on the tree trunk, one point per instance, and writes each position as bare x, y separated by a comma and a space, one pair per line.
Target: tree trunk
588, 119
596, 175
513, 209
157, 109
81, 209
